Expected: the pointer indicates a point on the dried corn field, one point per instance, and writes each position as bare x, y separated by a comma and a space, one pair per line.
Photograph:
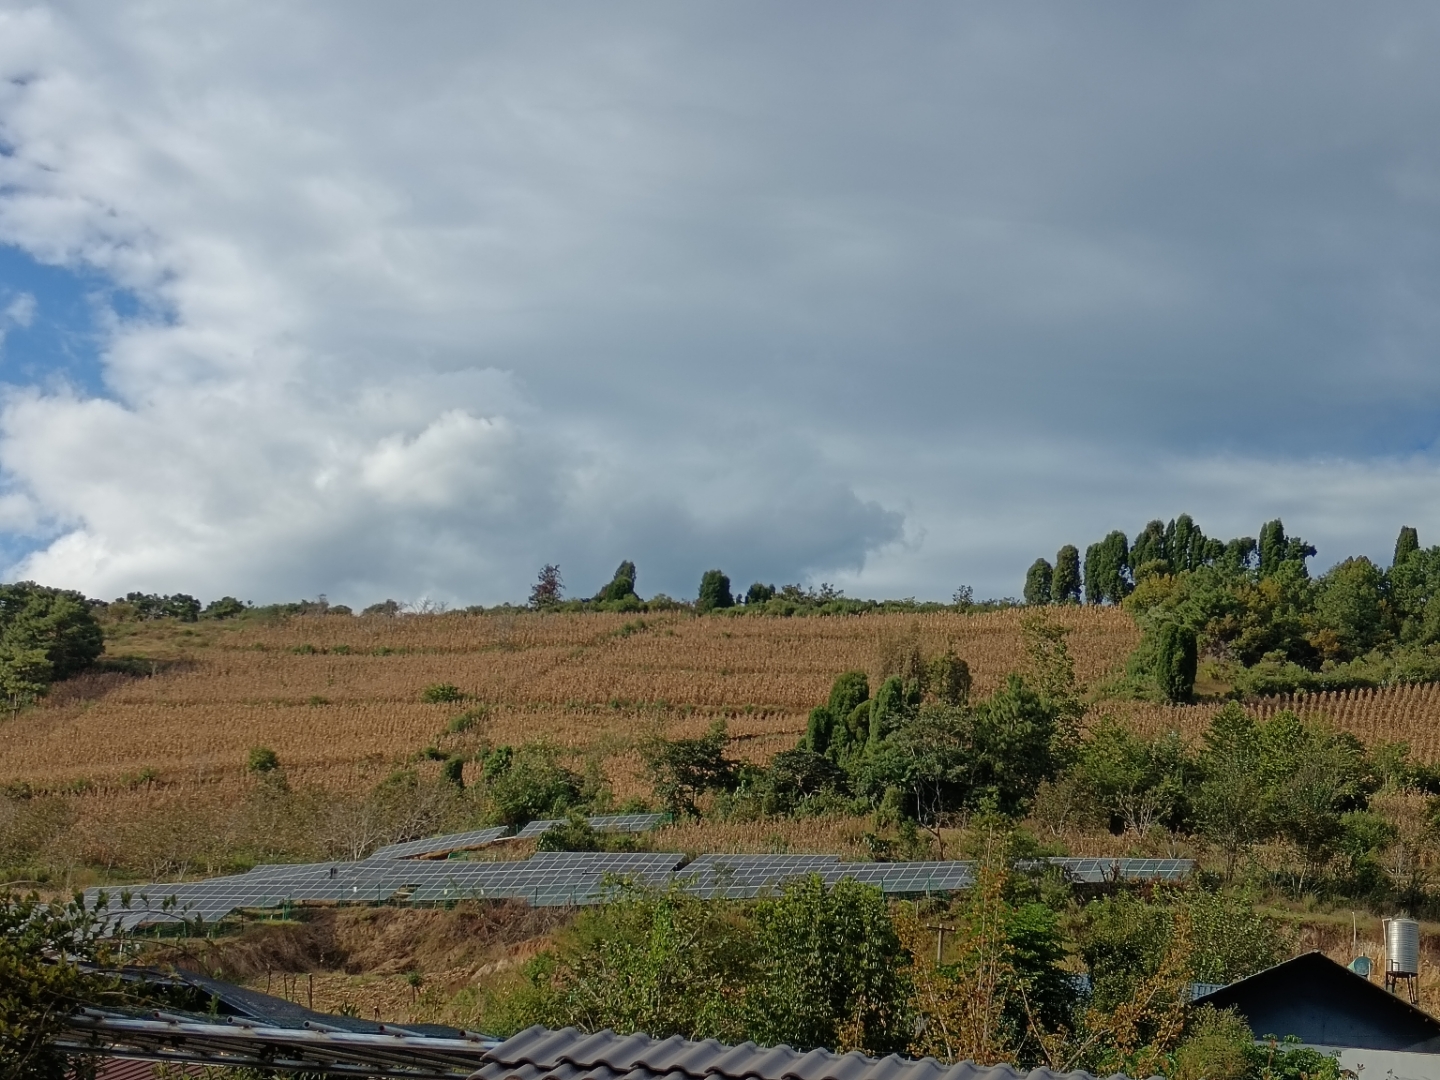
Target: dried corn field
338, 698
1409, 714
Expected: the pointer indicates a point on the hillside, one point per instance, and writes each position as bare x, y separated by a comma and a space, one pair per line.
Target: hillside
338, 698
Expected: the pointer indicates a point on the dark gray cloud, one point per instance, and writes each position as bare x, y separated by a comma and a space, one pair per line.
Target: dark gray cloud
894, 296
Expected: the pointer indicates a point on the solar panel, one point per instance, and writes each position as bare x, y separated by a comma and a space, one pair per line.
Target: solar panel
626, 822
600, 823
439, 845
552, 878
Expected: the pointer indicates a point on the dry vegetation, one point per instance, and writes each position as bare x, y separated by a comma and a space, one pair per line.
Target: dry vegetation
338, 698
1409, 714
162, 754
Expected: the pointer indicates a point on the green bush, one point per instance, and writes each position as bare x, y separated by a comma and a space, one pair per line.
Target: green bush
262, 760
528, 783
442, 694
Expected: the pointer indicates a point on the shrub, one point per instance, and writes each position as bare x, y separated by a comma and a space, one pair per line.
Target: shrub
227, 607
442, 694
262, 760
529, 783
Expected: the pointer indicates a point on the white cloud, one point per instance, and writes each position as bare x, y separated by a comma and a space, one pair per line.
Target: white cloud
431, 297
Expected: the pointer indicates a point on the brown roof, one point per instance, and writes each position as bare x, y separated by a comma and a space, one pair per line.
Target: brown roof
541, 1054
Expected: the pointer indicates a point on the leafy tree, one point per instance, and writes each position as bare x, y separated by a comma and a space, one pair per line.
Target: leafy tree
42, 982
830, 970
1107, 568
1038, 581
682, 770
391, 608
1167, 657
1001, 978
1065, 586
621, 586
1230, 802
1137, 782
24, 674
949, 678
262, 760
992, 753
836, 728
663, 963
227, 607
1406, 544
714, 592
794, 777
1151, 546
759, 593
528, 783
1176, 659
1277, 549
57, 622
1313, 777
1350, 611
548, 589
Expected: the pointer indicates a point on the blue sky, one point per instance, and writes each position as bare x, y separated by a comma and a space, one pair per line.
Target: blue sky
379, 302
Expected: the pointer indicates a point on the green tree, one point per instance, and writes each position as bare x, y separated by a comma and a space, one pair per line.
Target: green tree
1151, 546
1038, 581
1406, 544
43, 949
1277, 549
1230, 803
24, 674
666, 963
1313, 777
1136, 781
835, 728
1350, 612
949, 678
714, 592
1107, 568
1167, 657
759, 593
682, 770
1065, 586
58, 622
528, 783
621, 586
830, 969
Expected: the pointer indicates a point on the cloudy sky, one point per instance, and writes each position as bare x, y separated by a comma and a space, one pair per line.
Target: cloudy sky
408, 299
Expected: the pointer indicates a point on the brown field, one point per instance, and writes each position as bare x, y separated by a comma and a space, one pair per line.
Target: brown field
338, 698
1408, 714
145, 761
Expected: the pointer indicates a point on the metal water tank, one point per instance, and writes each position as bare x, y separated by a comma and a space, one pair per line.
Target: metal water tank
1402, 946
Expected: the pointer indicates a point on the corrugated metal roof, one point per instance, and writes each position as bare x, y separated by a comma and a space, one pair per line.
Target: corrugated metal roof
542, 1054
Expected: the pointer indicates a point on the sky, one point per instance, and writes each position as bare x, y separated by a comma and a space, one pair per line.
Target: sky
399, 300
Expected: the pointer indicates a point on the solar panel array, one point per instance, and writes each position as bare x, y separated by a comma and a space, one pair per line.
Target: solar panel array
559, 878
468, 841
600, 823
441, 845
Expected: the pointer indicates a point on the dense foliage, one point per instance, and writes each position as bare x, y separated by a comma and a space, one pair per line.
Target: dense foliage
45, 634
1253, 609
839, 968
42, 981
